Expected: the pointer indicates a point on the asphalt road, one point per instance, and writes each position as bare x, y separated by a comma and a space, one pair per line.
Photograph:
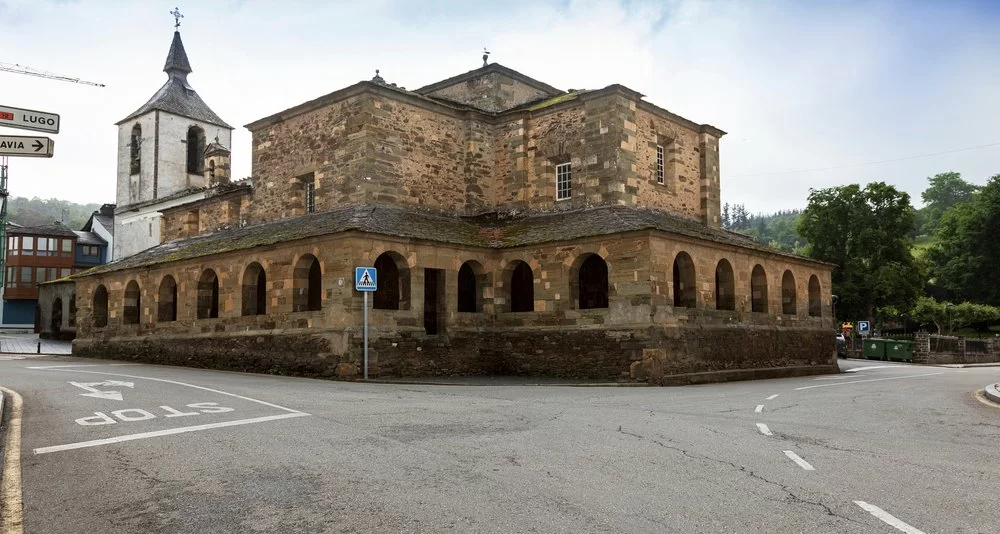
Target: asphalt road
879, 449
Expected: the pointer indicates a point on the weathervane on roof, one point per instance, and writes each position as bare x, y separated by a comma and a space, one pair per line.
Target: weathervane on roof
486, 55
177, 17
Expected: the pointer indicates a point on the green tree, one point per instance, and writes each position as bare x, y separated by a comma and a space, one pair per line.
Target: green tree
965, 261
947, 316
945, 190
864, 232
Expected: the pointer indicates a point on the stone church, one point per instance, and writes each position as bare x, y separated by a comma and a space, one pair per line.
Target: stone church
516, 229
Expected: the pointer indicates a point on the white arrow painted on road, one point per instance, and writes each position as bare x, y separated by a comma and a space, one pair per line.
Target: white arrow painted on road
96, 393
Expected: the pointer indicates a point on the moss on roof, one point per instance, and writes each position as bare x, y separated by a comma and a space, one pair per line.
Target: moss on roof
481, 232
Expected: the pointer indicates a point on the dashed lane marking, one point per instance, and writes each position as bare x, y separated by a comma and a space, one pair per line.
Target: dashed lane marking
832, 378
870, 367
772, 397
869, 380
798, 460
887, 518
759, 408
764, 430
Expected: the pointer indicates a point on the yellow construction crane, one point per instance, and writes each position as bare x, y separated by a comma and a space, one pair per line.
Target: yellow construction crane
26, 70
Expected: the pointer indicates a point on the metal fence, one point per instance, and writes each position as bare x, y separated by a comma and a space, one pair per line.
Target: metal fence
945, 344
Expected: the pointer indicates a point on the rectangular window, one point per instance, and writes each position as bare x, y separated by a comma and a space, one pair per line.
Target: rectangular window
64, 272
43, 247
25, 277
10, 277
310, 197
659, 164
39, 275
52, 274
12, 246
91, 250
564, 180
28, 245
67, 247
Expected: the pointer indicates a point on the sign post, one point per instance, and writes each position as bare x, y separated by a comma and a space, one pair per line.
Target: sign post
29, 119
864, 327
25, 146
366, 281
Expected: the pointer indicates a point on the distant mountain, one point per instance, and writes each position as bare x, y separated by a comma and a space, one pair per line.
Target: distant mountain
37, 212
777, 230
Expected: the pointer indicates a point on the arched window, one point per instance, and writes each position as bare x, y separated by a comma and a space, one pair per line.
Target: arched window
393, 291
522, 288
100, 307
166, 306
208, 295
592, 283
725, 286
211, 169
758, 290
254, 290
72, 310
815, 308
130, 313
470, 287
307, 285
788, 304
55, 322
195, 150
135, 154
685, 292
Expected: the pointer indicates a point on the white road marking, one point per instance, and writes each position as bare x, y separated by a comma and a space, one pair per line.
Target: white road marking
831, 378
98, 394
797, 459
868, 367
759, 408
158, 433
772, 397
183, 384
764, 430
887, 518
869, 380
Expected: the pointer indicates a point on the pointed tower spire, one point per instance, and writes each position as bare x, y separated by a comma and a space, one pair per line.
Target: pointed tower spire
177, 61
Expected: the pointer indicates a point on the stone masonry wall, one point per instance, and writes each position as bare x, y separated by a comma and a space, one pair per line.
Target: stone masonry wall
680, 189
491, 92
639, 336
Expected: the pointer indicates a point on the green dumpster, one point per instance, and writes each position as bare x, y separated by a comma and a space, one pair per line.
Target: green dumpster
875, 349
899, 351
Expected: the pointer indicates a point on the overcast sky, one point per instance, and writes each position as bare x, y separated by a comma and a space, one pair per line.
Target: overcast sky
811, 93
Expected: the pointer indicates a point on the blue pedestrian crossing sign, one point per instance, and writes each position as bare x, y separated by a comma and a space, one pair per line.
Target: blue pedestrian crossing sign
365, 279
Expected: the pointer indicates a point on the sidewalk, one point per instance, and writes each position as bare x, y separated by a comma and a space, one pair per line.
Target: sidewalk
28, 344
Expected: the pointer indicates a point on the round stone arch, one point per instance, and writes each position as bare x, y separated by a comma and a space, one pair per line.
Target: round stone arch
208, 294
132, 303
725, 286
789, 304
589, 281
307, 284
758, 289
517, 286
393, 275
815, 304
472, 283
166, 303
253, 297
99, 307
685, 282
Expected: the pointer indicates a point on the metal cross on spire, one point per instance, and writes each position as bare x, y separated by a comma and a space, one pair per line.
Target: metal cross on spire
177, 17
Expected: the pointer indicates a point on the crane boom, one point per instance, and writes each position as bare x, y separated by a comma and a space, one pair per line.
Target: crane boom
24, 69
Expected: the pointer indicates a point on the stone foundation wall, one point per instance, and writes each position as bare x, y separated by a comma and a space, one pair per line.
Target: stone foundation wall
654, 354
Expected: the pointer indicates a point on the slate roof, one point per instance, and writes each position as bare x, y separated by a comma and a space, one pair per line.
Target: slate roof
49, 230
177, 96
88, 238
481, 232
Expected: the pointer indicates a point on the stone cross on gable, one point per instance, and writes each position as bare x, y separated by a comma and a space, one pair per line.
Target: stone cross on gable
177, 17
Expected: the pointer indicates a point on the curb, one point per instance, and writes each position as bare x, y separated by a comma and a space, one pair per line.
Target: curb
993, 393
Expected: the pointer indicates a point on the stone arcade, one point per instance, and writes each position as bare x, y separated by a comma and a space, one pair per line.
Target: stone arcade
516, 229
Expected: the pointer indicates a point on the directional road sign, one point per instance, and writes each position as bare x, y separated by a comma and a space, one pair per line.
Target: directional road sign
29, 119
25, 146
365, 279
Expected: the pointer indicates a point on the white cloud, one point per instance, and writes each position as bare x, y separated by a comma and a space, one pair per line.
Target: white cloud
797, 85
